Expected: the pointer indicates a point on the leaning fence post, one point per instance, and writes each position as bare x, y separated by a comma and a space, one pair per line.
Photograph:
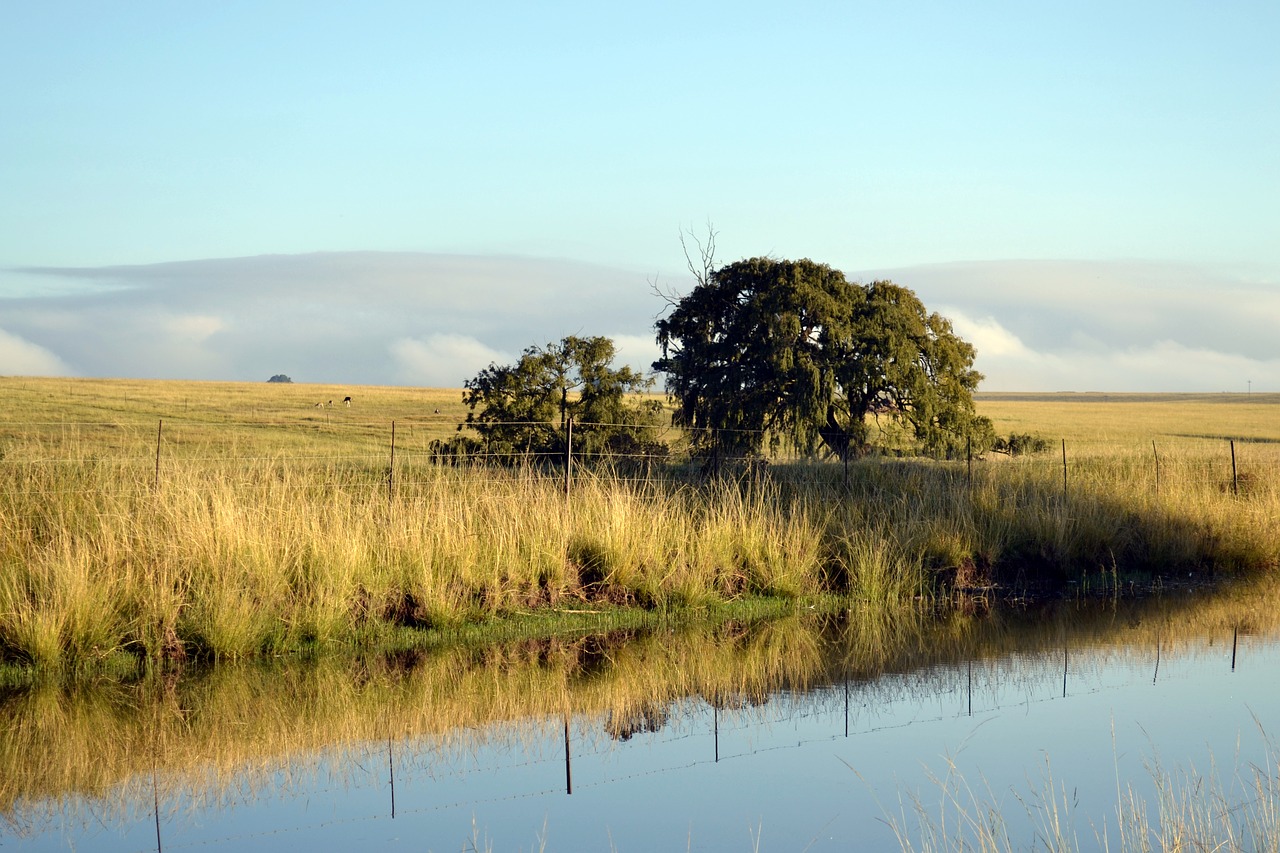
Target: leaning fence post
159, 432
1235, 482
1064, 468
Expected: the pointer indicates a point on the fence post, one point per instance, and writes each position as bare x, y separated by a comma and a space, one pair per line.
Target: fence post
159, 432
1064, 468
391, 470
968, 455
1235, 482
1156, 454
568, 455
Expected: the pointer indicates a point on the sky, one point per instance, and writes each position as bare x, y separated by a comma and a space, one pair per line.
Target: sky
403, 192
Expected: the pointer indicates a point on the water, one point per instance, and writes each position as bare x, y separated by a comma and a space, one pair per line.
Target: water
1049, 718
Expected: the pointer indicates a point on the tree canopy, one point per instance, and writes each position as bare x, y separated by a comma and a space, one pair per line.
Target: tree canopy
522, 409
763, 351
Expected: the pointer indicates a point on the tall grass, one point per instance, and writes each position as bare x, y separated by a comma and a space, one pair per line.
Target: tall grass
237, 559
287, 530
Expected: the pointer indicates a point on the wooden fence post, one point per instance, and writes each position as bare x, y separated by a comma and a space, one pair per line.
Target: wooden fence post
968, 455
568, 455
159, 432
391, 470
1064, 468
1235, 481
1156, 454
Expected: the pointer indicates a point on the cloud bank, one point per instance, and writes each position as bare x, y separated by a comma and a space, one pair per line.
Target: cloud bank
20, 357
345, 317
435, 320
1108, 326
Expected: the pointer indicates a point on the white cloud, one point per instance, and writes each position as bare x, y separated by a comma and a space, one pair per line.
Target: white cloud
1085, 362
338, 317
1165, 366
1113, 326
436, 320
193, 328
19, 357
986, 334
639, 352
443, 360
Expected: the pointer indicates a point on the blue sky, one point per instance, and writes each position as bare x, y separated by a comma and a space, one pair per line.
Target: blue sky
992, 156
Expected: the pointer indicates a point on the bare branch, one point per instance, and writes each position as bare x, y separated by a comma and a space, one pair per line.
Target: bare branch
706, 262
669, 295
702, 267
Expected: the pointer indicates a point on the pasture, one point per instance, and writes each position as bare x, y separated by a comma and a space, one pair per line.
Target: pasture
1120, 419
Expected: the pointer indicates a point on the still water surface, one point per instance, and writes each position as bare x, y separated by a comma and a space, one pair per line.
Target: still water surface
816, 734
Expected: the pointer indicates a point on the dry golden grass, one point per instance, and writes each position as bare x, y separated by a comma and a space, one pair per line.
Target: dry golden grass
1136, 418
123, 417
267, 525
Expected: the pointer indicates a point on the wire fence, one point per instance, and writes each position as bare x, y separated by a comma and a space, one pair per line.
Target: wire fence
400, 454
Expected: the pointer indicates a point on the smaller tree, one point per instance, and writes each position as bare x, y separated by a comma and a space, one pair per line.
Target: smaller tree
279, 377
522, 409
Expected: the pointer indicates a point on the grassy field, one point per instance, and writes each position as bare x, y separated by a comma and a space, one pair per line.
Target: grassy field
226, 417
1137, 418
218, 418
158, 520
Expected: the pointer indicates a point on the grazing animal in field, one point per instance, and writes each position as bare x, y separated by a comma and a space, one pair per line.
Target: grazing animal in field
346, 401
320, 405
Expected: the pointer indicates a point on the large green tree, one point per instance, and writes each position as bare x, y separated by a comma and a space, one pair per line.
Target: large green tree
763, 351
523, 408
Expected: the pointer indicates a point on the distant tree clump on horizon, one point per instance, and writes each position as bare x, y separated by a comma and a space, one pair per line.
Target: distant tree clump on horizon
279, 377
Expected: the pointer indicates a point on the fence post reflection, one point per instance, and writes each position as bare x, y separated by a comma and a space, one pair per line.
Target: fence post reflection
568, 766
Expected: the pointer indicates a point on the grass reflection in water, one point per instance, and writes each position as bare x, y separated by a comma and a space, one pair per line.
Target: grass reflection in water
205, 737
